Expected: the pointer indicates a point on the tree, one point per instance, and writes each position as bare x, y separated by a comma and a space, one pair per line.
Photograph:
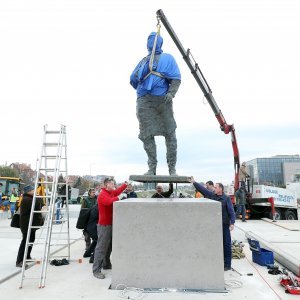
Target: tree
61, 178
77, 184
8, 172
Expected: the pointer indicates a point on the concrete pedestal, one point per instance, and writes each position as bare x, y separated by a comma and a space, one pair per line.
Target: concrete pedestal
168, 243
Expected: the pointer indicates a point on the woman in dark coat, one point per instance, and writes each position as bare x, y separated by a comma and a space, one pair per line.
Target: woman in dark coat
25, 209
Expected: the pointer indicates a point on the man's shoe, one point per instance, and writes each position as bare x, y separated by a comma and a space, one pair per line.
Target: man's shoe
99, 275
227, 268
20, 265
87, 254
244, 221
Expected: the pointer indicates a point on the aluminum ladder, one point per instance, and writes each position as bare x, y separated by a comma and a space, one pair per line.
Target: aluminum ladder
51, 165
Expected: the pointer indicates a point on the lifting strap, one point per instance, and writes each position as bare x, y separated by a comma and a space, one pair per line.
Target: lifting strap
153, 56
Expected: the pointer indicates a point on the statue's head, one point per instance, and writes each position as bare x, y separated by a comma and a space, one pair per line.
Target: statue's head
150, 43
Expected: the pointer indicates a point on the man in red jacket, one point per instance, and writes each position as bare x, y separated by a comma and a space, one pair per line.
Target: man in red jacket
106, 198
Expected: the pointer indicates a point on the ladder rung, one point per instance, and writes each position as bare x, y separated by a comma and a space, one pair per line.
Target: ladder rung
59, 232
53, 144
59, 256
37, 196
51, 182
58, 244
53, 170
53, 131
32, 260
53, 157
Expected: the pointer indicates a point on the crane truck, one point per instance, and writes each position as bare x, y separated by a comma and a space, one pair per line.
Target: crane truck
260, 198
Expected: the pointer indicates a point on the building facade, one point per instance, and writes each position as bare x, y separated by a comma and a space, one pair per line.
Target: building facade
276, 170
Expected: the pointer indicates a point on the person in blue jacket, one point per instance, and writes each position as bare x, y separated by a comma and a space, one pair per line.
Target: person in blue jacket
228, 216
156, 79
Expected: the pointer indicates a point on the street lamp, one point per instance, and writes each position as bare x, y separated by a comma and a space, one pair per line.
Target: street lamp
91, 164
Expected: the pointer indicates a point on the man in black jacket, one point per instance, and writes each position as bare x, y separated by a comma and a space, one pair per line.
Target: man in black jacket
91, 229
130, 191
240, 201
25, 209
160, 191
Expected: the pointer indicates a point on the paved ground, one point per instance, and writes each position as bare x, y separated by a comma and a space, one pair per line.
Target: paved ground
75, 281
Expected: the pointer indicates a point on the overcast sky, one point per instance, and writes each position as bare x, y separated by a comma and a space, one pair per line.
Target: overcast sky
69, 61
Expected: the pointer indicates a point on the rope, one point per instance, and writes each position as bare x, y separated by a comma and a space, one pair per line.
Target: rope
233, 283
263, 278
153, 55
130, 292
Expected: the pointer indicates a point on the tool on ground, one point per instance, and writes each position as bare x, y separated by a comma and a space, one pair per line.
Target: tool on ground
273, 269
237, 249
241, 274
54, 151
290, 282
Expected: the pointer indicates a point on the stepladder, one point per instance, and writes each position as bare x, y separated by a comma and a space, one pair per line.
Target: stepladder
47, 233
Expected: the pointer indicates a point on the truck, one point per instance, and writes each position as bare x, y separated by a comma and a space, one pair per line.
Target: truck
261, 198
285, 202
74, 195
258, 205
7, 184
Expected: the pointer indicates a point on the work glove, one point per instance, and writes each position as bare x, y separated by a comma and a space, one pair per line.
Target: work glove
168, 98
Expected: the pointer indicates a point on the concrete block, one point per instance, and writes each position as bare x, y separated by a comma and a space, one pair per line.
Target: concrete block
168, 243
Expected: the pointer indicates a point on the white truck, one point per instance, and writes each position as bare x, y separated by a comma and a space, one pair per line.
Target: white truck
74, 195
285, 202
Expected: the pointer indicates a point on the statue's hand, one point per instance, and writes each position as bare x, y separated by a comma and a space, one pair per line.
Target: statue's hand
168, 98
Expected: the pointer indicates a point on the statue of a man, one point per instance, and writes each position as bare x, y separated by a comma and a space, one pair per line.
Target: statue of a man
156, 79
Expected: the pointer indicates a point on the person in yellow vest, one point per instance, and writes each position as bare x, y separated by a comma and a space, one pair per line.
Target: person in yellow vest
197, 193
13, 200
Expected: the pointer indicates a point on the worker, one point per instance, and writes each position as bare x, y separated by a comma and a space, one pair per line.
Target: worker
91, 230
64, 194
240, 201
130, 193
228, 216
210, 185
197, 193
106, 198
89, 202
160, 191
13, 200
25, 210
156, 79
243, 174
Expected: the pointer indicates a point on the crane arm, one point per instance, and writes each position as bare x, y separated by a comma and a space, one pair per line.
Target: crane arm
200, 79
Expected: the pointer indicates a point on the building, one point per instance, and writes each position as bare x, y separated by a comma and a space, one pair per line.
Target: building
291, 172
276, 170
